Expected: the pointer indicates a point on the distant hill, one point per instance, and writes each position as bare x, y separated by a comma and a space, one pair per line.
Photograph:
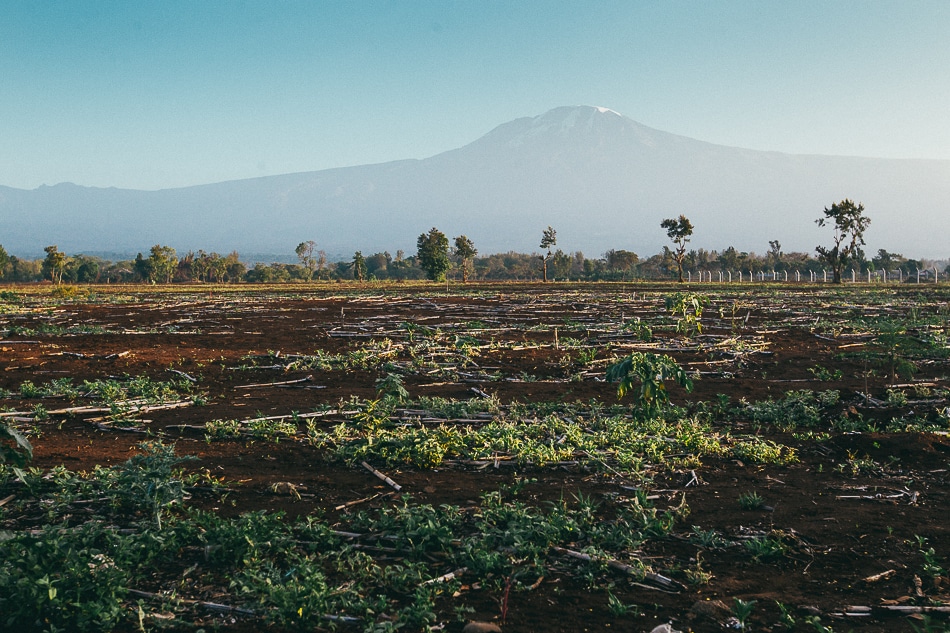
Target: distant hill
602, 180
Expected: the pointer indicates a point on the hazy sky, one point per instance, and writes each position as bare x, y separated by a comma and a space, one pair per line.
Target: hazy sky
162, 94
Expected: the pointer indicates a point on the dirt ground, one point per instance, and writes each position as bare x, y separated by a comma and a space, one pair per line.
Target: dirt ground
857, 530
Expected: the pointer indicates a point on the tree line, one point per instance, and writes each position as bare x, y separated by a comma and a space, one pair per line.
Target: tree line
438, 259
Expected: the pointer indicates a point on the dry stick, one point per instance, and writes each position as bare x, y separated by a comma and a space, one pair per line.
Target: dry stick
299, 416
275, 384
911, 609
389, 481
184, 375
478, 392
359, 501
668, 585
102, 426
881, 576
211, 606
452, 575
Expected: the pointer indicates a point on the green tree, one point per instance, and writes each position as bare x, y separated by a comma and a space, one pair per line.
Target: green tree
849, 224
55, 264
774, 257
548, 239
306, 256
679, 231
234, 267
141, 267
433, 254
85, 269
561, 264
4, 259
162, 264
464, 251
621, 261
359, 266
888, 261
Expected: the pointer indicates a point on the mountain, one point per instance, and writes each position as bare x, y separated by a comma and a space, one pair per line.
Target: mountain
600, 179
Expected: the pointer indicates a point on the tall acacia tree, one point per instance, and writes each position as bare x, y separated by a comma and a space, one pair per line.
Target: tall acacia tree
679, 231
433, 254
849, 223
464, 251
548, 239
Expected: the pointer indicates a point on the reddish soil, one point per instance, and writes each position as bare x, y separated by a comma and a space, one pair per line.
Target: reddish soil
849, 527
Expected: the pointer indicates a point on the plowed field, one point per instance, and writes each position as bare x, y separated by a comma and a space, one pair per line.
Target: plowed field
801, 485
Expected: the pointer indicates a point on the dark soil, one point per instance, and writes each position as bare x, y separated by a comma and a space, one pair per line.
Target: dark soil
848, 526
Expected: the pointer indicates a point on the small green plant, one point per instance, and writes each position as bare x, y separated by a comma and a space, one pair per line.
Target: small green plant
586, 356
710, 539
815, 622
896, 398
765, 548
15, 449
785, 618
897, 347
618, 608
219, 429
651, 371
931, 625
391, 386
639, 329
271, 430
742, 609
696, 575
150, 479
40, 413
688, 308
825, 374
751, 501
932, 566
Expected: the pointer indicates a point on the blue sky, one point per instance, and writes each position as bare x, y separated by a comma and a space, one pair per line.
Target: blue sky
152, 95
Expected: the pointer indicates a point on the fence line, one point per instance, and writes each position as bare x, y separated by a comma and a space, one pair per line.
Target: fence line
882, 276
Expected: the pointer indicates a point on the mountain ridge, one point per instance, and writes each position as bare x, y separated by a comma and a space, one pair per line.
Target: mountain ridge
601, 179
